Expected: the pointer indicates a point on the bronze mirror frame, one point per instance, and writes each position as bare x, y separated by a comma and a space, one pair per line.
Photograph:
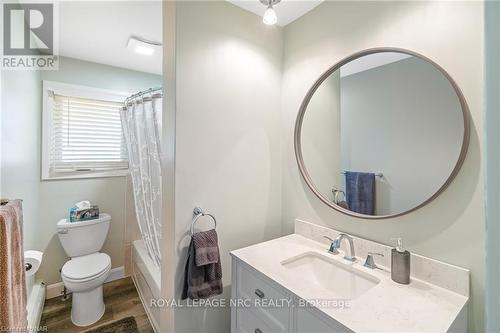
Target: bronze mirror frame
324, 76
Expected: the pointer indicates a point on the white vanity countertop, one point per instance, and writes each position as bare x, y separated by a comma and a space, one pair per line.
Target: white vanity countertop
388, 307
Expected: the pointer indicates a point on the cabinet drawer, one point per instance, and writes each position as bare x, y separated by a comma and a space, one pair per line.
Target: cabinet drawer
270, 303
249, 322
306, 321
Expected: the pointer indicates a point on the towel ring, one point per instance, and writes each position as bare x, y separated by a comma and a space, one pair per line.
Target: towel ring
199, 212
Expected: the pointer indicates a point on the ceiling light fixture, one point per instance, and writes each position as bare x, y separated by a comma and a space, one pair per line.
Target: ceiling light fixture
143, 46
270, 17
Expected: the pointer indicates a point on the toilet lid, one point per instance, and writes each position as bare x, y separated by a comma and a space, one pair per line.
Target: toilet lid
85, 267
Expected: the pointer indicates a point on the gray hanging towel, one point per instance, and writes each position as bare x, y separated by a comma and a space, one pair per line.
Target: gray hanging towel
360, 188
203, 272
206, 248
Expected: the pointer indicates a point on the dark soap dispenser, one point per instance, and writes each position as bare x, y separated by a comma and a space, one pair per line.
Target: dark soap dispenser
400, 263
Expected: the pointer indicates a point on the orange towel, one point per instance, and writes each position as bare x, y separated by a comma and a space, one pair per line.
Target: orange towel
13, 313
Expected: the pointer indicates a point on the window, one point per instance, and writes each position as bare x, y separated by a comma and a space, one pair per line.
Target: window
82, 132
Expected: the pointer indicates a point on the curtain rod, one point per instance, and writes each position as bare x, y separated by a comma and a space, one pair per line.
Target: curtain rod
142, 93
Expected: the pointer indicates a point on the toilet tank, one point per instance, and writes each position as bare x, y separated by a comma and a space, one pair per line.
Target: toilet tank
84, 237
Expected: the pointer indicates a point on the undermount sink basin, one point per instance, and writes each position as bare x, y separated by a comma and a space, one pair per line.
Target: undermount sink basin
334, 278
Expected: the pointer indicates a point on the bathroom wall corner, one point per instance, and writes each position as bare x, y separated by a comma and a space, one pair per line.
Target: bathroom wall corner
227, 137
492, 162
168, 162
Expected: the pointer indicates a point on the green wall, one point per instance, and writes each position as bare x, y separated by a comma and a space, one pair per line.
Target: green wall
45, 202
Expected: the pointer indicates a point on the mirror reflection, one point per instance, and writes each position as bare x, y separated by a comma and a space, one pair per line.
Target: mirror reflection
382, 134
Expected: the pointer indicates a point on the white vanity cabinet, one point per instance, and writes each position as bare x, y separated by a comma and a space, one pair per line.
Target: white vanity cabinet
311, 321
259, 305
352, 298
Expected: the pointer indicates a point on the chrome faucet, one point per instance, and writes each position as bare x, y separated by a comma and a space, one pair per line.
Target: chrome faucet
335, 245
370, 262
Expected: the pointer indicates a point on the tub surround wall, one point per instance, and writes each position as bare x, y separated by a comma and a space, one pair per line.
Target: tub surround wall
451, 228
131, 232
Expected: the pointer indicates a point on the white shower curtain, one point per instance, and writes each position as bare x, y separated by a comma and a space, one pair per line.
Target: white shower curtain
141, 119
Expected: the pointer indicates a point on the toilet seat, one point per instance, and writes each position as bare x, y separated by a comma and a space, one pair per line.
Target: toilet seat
85, 268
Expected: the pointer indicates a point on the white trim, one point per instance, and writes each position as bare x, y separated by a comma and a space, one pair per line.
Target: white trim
76, 91
35, 305
56, 289
85, 174
116, 274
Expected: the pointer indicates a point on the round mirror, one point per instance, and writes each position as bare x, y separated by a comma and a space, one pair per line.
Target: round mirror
381, 133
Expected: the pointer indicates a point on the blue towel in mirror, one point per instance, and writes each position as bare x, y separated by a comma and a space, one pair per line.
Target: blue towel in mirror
360, 188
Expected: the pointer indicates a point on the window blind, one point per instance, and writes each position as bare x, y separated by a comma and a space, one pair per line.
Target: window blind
86, 135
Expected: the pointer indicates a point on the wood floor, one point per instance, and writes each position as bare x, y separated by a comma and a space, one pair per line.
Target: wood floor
121, 301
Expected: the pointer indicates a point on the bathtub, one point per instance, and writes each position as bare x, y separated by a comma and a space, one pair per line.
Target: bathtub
147, 280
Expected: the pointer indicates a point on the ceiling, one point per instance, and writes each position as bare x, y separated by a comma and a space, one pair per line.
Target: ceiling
371, 61
287, 10
98, 31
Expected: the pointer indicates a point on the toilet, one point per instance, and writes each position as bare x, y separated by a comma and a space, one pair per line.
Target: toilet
86, 271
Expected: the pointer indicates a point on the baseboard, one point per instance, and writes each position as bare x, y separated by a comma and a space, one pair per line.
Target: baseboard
56, 289
116, 274
35, 306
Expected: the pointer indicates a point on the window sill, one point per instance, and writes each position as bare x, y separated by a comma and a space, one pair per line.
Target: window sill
85, 175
